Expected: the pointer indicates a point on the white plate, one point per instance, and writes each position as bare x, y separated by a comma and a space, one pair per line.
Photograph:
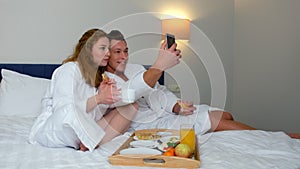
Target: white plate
165, 140
169, 138
140, 151
144, 143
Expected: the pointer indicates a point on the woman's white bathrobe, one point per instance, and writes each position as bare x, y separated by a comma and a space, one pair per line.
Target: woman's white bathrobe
63, 121
155, 108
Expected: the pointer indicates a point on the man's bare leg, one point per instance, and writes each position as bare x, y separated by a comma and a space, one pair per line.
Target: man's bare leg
294, 135
221, 121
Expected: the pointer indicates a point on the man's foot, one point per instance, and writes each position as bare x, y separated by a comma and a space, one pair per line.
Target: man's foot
294, 135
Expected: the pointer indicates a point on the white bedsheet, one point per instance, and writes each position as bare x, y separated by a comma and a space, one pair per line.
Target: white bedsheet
221, 150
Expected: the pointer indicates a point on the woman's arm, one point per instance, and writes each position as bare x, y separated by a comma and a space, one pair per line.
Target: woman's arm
107, 94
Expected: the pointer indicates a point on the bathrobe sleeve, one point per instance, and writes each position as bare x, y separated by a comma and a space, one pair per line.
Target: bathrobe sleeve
161, 99
135, 74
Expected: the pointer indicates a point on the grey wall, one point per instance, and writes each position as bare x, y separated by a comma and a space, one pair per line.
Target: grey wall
266, 64
256, 42
46, 32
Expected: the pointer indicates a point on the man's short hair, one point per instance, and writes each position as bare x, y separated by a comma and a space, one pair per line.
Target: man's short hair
115, 35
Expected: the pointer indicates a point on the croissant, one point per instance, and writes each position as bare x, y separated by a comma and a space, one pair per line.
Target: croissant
181, 104
105, 78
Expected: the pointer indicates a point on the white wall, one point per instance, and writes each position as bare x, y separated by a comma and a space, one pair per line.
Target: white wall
46, 32
257, 42
266, 64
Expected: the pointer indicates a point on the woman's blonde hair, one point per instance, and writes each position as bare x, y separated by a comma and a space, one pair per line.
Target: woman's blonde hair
90, 71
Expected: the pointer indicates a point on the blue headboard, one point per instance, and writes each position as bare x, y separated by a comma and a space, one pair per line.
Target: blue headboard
43, 70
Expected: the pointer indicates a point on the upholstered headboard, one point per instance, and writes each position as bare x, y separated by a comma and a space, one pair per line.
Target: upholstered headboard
36, 70
42, 70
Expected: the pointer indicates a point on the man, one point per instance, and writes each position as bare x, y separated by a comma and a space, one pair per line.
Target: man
161, 108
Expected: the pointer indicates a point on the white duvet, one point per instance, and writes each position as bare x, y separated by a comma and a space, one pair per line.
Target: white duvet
221, 150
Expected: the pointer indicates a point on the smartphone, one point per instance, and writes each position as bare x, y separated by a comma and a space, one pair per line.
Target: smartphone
170, 40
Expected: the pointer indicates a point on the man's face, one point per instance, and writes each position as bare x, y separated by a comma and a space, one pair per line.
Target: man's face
118, 56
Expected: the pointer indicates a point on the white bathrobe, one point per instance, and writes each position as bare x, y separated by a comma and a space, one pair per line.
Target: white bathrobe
63, 121
155, 108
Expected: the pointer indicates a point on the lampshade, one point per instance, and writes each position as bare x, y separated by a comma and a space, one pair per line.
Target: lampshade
178, 27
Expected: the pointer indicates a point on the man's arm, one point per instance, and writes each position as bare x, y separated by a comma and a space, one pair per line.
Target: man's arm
152, 75
166, 59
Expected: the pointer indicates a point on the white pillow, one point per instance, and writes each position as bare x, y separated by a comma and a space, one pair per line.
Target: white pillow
21, 94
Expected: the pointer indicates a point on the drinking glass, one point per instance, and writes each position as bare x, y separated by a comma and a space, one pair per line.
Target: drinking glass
187, 135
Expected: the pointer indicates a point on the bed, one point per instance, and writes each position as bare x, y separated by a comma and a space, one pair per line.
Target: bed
19, 103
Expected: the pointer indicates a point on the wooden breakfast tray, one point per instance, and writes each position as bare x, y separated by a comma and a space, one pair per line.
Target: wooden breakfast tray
154, 160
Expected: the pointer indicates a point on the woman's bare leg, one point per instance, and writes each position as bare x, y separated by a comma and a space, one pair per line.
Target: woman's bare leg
117, 121
82, 147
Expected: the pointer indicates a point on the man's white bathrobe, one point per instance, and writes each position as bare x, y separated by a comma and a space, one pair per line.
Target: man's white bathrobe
155, 108
63, 121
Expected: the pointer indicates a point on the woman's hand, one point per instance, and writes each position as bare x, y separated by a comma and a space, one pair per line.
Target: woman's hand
167, 58
108, 93
184, 108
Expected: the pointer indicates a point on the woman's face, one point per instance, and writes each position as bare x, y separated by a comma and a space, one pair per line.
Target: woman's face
100, 51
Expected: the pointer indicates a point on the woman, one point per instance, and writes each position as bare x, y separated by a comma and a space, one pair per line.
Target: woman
75, 107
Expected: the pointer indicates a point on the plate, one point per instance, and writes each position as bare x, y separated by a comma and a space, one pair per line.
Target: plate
140, 150
167, 141
170, 138
144, 143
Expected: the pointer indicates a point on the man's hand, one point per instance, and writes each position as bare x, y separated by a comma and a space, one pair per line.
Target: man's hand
184, 108
167, 58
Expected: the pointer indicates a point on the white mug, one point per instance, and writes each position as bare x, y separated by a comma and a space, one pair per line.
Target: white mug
128, 95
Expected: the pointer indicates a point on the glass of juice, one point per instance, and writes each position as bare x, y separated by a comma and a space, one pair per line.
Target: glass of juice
187, 135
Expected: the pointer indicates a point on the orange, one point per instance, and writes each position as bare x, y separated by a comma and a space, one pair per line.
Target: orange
170, 152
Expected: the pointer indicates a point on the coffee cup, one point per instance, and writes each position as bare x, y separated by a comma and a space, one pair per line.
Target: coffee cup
128, 95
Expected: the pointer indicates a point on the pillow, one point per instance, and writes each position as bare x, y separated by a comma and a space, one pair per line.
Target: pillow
21, 94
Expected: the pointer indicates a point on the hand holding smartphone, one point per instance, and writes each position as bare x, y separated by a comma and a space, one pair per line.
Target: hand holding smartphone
170, 40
